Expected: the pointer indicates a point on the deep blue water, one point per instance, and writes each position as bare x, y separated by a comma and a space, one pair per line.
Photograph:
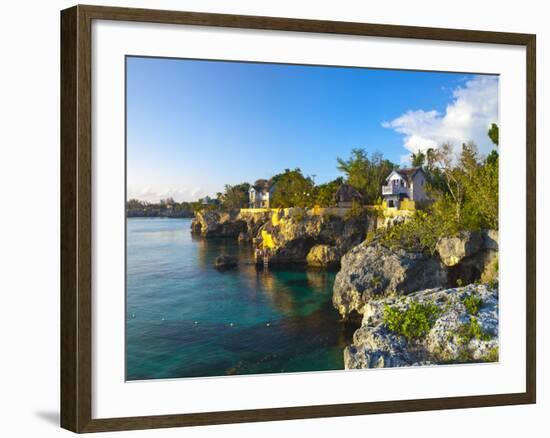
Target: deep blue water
186, 319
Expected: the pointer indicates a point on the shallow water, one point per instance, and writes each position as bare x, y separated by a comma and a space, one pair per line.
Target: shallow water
186, 319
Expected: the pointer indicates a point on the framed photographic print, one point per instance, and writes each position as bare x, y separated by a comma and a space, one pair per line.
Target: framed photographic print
258, 212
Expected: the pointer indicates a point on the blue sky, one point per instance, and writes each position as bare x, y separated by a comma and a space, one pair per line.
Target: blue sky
193, 126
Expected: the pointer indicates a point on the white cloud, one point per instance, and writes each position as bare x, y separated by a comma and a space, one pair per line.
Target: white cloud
467, 117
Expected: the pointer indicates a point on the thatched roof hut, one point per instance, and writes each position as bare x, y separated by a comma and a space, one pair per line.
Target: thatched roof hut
346, 195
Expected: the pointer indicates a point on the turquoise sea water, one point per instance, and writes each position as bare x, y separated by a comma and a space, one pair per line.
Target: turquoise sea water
186, 319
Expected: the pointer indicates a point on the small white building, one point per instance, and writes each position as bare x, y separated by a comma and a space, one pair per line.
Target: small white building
404, 184
260, 194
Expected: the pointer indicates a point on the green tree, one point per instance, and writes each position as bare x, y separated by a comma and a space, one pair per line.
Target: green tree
468, 197
366, 174
234, 197
418, 159
493, 133
325, 193
135, 204
293, 189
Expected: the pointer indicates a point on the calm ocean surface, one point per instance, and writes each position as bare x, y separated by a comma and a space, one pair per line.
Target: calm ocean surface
186, 319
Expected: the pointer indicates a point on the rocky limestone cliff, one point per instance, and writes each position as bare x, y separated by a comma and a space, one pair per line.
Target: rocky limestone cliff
372, 270
295, 237
254, 221
453, 249
463, 328
211, 223
470, 256
316, 240
323, 255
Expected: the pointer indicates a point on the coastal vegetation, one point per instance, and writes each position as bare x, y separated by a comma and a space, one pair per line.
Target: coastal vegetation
366, 173
412, 322
234, 196
464, 197
164, 208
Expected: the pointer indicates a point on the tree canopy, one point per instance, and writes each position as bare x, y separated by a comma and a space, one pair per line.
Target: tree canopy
418, 159
234, 197
293, 189
493, 133
325, 193
366, 173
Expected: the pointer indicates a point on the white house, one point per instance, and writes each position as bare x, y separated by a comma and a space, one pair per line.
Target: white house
404, 184
260, 194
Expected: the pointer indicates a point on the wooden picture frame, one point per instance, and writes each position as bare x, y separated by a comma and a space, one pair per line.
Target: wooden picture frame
76, 217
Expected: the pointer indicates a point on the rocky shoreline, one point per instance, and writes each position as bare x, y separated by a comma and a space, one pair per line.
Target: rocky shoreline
451, 330
292, 237
415, 308
419, 309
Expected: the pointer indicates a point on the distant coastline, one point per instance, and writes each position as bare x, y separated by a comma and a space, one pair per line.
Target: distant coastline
165, 208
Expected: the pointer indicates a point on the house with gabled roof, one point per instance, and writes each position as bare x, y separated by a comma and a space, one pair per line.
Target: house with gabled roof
407, 184
346, 195
260, 194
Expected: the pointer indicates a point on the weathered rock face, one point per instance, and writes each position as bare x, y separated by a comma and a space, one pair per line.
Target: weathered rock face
472, 268
476, 254
490, 239
323, 255
316, 240
254, 221
389, 222
209, 223
450, 339
372, 270
453, 249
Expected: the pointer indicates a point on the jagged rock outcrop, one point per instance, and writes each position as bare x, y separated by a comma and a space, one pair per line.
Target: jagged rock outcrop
453, 249
210, 223
323, 255
371, 270
223, 262
464, 328
254, 221
319, 240
470, 257
392, 221
490, 239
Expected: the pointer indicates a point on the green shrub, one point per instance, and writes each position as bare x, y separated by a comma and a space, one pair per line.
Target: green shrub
356, 211
472, 303
491, 356
419, 233
413, 322
371, 235
471, 330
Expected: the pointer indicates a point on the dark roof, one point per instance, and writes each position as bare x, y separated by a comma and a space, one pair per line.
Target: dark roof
347, 193
408, 173
262, 185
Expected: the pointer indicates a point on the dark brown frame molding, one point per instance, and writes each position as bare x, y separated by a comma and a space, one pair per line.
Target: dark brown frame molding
76, 226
